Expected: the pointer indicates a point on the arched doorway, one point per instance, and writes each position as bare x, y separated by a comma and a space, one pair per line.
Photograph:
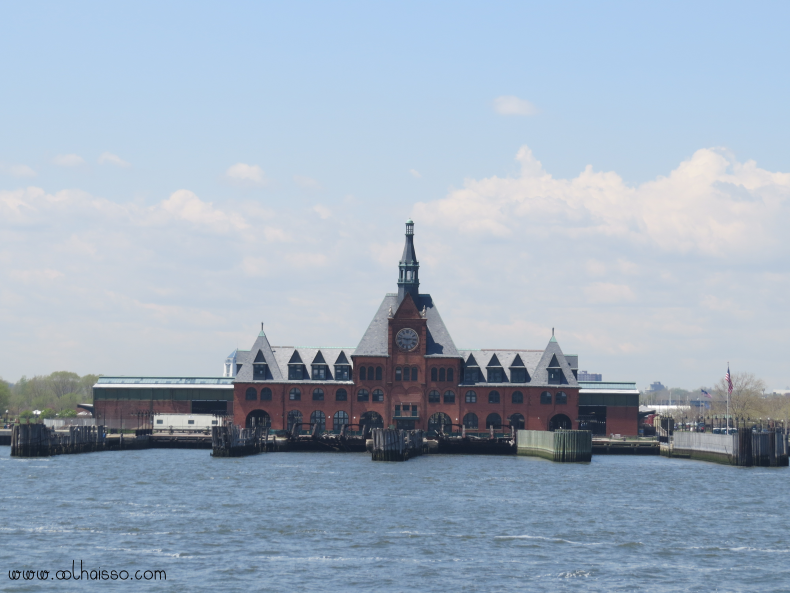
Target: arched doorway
517, 421
258, 418
437, 421
494, 420
294, 418
560, 422
319, 418
371, 420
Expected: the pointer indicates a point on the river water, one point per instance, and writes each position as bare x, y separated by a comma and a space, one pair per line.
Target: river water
340, 522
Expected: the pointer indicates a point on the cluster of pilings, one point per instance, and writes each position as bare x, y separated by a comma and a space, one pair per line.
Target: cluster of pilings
233, 441
389, 444
37, 440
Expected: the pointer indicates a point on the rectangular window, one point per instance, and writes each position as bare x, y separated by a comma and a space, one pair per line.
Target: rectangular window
190, 421
294, 372
342, 372
259, 371
556, 377
160, 421
518, 375
471, 374
319, 372
378, 373
495, 375
397, 410
213, 422
398, 374
450, 375
414, 411
414, 374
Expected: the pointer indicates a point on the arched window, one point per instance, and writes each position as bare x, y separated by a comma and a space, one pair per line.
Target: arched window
318, 395
318, 417
339, 419
371, 420
398, 372
377, 395
266, 394
494, 420
450, 375
362, 395
370, 373
434, 376
518, 397
414, 373
439, 420
493, 398
341, 395
449, 397
363, 373
295, 395
471, 397
294, 417
251, 394
442, 375
545, 398
517, 421
470, 421
433, 397
561, 398
378, 373
258, 418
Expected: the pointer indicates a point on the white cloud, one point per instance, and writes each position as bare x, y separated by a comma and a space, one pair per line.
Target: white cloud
113, 159
246, 174
185, 205
415, 173
510, 105
306, 260
18, 170
608, 293
322, 211
306, 182
710, 204
68, 160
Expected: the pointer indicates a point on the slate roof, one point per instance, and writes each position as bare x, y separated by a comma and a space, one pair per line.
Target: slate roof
278, 357
374, 340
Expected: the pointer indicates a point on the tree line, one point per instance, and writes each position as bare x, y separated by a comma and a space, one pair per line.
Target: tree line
56, 394
748, 398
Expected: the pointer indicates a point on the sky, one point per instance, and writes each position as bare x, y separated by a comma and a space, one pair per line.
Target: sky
173, 174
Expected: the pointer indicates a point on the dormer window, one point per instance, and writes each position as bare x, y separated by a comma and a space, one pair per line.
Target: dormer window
320, 372
342, 372
295, 372
496, 375
518, 375
260, 370
471, 374
556, 376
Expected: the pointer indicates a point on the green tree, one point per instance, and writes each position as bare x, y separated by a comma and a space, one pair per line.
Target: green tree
63, 382
47, 413
68, 414
747, 399
5, 396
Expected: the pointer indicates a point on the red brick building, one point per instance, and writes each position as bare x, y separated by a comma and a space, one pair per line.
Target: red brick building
406, 371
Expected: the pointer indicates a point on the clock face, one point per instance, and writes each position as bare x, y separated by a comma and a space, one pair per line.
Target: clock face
407, 339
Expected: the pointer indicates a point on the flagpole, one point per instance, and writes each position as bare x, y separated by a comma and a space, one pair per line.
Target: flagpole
729, 382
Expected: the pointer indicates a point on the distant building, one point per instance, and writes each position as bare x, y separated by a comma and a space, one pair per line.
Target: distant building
656, 386
585, 376
229, 369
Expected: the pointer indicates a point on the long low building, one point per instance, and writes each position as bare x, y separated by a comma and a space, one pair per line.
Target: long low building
128, 402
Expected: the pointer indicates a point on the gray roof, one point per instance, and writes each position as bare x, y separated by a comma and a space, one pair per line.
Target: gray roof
374, 341
277, 357
535, 361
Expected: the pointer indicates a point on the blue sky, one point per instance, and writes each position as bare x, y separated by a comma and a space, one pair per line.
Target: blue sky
171, 174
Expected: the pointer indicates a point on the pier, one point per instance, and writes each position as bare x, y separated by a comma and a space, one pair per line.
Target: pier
389, 444
562, 445
744, 447
37, 440
232, 441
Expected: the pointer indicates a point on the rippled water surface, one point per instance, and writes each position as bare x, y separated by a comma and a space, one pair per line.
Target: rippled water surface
340, 522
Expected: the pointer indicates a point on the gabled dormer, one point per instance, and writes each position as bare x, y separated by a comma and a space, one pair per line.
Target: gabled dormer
260, 368
342, 368
472, 372
320, 368
495, 372
518, 371
553, 368
555, 374
296, 368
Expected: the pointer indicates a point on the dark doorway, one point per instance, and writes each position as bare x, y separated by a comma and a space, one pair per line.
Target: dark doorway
437, 420
404, 424
517, 421
593, 418
560, 422
371, 420
258, 418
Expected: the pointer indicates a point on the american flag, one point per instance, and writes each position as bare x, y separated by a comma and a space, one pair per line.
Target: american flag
705, 393
728, 380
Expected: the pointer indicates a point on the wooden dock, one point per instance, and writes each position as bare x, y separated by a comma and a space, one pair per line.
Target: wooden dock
389, 444
37, 440
562, 445
623, 446
232, 441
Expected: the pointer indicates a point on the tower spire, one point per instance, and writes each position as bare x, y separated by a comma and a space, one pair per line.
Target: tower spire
409, 268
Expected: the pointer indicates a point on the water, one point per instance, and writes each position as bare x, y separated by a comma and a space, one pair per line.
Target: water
340, 522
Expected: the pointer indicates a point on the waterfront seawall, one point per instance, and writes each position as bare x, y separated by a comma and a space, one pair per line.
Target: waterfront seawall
744, 448
562, 445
